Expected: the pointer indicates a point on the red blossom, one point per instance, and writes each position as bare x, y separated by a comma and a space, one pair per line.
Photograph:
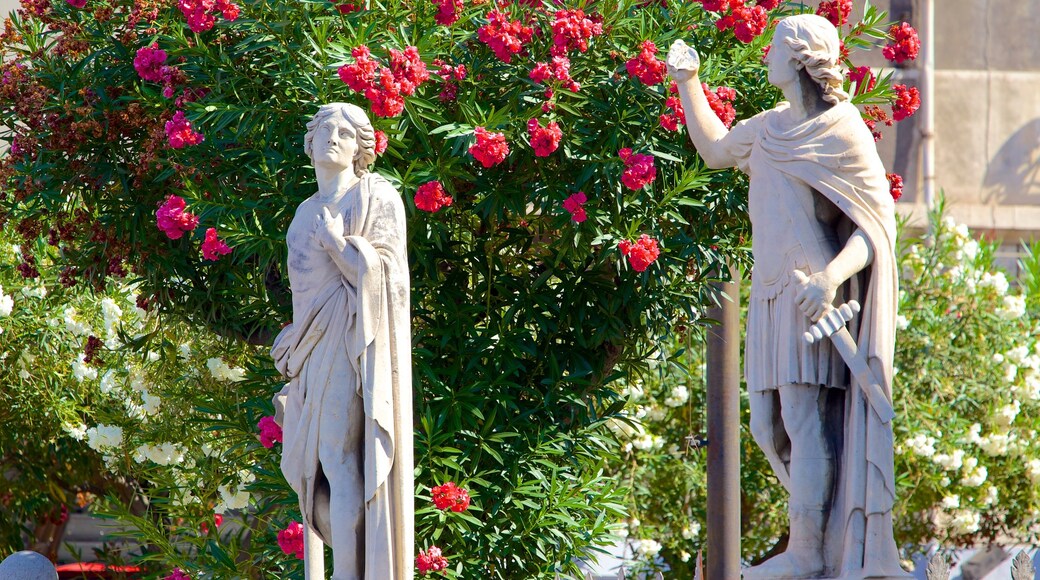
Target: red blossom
544, 140
148, 62
907, 101
431, 560
863, 77
213, 247
905, 44
77, 3
179, 132
837, 11
350, 7
177, 574
360, 75
875, 115
385, 87
645, 66
270, 432
490, 148
290, 540
895, 185
749, 22
672, 121
572, 30
408, 69
385, 95
721, 102
639, 169
173, 220
447, 11
503, 36
769, 4
201, 14
381, 142
450, 496
641, 253
559, 69
574, 206
430, 197
218, 519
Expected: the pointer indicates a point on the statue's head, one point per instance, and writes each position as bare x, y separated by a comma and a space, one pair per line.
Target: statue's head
808, 43
340, 135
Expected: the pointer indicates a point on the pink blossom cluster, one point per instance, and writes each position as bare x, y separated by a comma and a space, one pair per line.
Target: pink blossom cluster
451, 76
544, 140
574, 204
572, 30
177, 574
641, 253
290, 540
450, 496
431, 197
721, 101
431, 560
747, 21
447, 11
218, 520
837, 11
173, 220
381, 142
149, 61
77, 3
558, 69
645, 66
863, 77
201, 14
908, 100
503, 36
385, 87
672, 121
895, 185
179, 132
270, 432
873, 115
350, 7
905, 44
490, 148
639, 169
213, 247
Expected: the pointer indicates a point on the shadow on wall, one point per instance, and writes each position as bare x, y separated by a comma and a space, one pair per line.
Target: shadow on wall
1013, 175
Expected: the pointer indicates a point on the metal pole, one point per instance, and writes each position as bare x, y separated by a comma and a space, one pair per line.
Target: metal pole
928, 104
723, 422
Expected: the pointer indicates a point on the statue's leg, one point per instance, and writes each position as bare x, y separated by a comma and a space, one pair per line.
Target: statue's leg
767, 428
341, 454
313, 554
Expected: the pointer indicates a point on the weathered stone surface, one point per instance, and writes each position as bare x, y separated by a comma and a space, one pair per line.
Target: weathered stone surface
27, 566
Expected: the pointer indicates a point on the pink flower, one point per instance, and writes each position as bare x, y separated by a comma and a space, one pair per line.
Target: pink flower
639, 169
895, 185
573, 205
837, 11
572, 31
450, 496
179, 132
749, 22
408, 69
200, 14
447, 11
213, 247
544, 140
449, 74
290, 540
77, 3
430, 197
769, 4
504, 37
908, 100
490, 148
385, 87
559, 69
431, 560
863, 77
270, 432
645, 66
905, 44
721, 102
173, 220
218, 519
641, 253
381, 142
177, 574
385, 95
360, 75
148, 62
671, 121
349, 7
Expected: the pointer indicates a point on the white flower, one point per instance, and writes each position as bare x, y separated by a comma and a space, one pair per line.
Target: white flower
991, 496
23, 374
998, 358
944, 482
902, 323
922, 445
73, 324
633, 392
34, 292
692, 530
646, 548
151, 403
965, 522
6, 303
951, 501
77, 432
184, 351
684, 556
1017, 354
997, 281
82, 371
648, 442
104, 436
678, 396
231, 499
108, 382
974, 474
951, 462
222, 372
1010, 372
1006, 414
996, 444
970, 249
138, 381
111, 312
656, 414
162, 454
973, 434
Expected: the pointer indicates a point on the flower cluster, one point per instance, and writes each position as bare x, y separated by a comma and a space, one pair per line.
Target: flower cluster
721, 101
177, 574
381, 142
641, 253
451, 75
544, 140
895, 185
837, 11
639, 169
447, 11
503, 36
385, 87
213, 247
450, 496
431, 197
645, 66
873, 115
747, 22
173, 220
559, 69
572, 30
290, 540
905, 44
179, 132
270, 432
908, 100
431, 560
863, 77
490, 148
574, 206
672, 121
201, 14
149, 61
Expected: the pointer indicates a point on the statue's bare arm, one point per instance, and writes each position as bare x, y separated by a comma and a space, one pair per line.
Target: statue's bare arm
706, 129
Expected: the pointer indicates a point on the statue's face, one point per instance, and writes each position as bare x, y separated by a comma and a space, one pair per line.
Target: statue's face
780, 60
334, 144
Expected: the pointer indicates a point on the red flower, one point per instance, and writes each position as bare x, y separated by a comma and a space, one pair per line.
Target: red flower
863, 77
385, 87
905, 44
148, 62
213, 247
349, 7
572, 31
270, 432
544, 140
645, 66
641, 253
179, 132
431, 560
490, 148
908, 100
217, 520
77, 3
895, 185
359, 76
447, 11
639, 169
504, 37
769, 4
573, 205
837, 11
875, 115
430, 196
721, 102
671, 121
450, 496
381, 142
408, 69
173, 220
290, 540
177, 574
749, 22
559, 68
385, 95
200, 13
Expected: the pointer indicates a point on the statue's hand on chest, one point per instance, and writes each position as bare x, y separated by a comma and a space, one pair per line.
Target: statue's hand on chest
313, 238
328, 231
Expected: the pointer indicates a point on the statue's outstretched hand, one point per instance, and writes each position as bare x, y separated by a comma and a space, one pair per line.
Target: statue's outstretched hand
683, 61
817, 294
328, 231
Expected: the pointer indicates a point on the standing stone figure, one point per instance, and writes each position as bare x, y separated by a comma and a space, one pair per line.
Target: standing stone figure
823, 234
346, 412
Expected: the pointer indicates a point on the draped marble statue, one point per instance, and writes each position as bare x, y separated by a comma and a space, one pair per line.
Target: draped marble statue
823, 233
346, 411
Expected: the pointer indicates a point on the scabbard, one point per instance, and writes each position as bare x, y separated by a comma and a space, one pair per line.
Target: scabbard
857, 364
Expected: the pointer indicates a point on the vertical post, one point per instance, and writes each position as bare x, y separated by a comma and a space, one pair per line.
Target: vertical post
928, 103
723, 422
313, 554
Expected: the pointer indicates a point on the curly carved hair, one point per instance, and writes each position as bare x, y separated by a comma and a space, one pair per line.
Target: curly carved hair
365, 134
815, 46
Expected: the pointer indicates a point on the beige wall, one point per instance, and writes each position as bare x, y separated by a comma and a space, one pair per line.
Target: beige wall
6, 6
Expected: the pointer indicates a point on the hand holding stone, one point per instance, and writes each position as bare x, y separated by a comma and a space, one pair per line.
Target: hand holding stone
683, 61
817, 294
328, 231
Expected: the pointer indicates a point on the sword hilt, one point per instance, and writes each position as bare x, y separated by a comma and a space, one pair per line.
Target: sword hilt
831, 322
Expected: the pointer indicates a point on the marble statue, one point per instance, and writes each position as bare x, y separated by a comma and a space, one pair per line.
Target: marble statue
823, 233
346, 411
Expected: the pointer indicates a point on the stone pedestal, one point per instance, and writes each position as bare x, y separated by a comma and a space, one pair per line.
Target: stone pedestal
27, 566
